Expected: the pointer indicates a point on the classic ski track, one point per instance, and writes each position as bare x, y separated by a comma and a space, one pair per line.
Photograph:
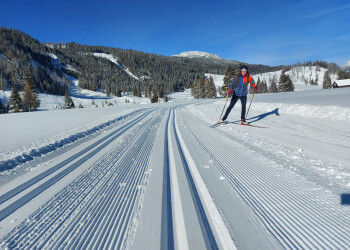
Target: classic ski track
4, 197
89, 150
64, 145
79, 200
207, 233
298, 230
167, 225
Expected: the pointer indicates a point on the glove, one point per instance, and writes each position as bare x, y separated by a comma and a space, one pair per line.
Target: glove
255, 88
229, 92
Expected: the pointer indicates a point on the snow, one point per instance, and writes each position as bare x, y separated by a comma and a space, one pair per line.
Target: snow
218, 79
180, 229
114, 60
94, 177
199, 54
346, 65
345, 82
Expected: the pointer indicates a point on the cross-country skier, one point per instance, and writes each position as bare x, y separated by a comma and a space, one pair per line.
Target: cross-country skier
240, 86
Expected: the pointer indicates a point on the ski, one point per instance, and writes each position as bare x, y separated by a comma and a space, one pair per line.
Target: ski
236, 123
250, 125
217, 124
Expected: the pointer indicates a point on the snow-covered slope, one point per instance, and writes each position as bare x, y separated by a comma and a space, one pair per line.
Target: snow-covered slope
199, 54
154, 176
117, 62
300, 76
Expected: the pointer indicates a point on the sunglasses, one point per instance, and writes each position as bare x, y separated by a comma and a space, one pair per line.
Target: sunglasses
244, 70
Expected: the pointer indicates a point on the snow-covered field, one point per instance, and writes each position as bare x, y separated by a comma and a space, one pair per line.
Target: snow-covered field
158, 176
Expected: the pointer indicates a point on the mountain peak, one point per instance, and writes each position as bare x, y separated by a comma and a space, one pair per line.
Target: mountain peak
346, 65
199, 54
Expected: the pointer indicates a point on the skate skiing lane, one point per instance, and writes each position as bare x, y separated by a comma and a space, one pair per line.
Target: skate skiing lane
251, 173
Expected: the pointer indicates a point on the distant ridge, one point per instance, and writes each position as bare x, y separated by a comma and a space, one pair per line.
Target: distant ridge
199, 54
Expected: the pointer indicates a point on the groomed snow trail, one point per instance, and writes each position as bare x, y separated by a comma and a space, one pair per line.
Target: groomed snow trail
161, 178
95, 210
300, 212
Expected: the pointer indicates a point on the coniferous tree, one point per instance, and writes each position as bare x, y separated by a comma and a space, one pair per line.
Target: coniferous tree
15, 103
210, 90
139, 91
68, 102
343, 75
202, 87
154, 95
197, 89
230, 74
2, 108
134, 91
166, 99
327, 83
273, 85
118, 92
258, 84
285, 84
108, 90
31, 100
263, 86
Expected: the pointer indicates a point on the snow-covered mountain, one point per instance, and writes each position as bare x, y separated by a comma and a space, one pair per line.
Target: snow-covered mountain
199, 54
346, 67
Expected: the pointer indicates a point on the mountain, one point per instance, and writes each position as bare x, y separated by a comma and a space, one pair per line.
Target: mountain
107, 69
346, 67
199, 54
51, 67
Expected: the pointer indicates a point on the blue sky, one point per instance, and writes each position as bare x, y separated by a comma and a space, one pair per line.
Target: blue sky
262, 32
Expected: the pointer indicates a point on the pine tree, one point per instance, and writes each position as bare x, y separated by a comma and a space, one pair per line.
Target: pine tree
15, 103
134, 91
263, 87
166, 99
273, 85
68, 102
285, 84
2, 108
139, 92
202, 87
210, 90
343, 75
118, 92
31, 100
228, 79
154, 95
108, 90
258, 84
198, 88
327, 82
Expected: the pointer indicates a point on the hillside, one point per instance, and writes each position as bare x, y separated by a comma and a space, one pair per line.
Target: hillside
98, 68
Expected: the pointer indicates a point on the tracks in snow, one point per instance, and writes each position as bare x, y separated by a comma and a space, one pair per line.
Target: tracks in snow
96, 209
297, 211
188, 209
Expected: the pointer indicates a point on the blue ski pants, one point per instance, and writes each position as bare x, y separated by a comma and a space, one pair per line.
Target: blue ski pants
234, 99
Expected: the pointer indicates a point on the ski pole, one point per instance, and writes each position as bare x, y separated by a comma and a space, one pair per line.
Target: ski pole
223, 108
249, 105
